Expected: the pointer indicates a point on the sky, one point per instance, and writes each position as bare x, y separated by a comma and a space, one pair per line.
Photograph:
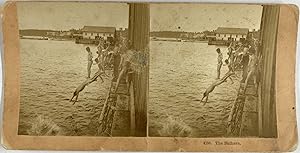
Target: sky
67, 15
200, 17
164, 17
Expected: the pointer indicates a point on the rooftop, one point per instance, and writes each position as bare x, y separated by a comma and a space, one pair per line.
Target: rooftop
224, 30
99, 29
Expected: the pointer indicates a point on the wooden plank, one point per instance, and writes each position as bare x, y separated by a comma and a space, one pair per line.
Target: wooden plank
259, 109
139, 32
267, 81
132, 110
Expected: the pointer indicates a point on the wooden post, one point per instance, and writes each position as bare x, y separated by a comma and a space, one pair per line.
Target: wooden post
267, 108
132, 110
138, 34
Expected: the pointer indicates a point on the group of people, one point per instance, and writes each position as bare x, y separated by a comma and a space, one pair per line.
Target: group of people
104, 56
241, 56
115, 54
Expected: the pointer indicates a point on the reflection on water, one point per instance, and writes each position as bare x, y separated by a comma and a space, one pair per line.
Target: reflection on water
179, 74
50, 72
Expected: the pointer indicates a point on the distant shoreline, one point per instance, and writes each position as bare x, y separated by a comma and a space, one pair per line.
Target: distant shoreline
177, 40
46, 38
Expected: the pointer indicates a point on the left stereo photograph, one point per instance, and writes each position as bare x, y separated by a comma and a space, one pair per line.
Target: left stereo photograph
81, 73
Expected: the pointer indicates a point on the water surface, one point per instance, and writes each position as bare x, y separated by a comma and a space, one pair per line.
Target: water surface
50, 72
179, 74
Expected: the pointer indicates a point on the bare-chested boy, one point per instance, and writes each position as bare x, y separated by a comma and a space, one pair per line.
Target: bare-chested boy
252, 65
212, 86
84, 84
230, 69
100, 58
90, 61
220, 62
124, 65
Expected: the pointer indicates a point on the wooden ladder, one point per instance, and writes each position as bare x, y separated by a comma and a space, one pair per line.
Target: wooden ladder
108, 111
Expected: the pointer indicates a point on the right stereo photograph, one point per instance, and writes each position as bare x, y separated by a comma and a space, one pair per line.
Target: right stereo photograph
212, 70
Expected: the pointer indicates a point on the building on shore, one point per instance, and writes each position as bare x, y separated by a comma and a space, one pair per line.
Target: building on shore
231, 34
97, 32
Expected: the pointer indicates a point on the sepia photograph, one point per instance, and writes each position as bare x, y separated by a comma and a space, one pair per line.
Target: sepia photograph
211, 75
78, 70
131, 76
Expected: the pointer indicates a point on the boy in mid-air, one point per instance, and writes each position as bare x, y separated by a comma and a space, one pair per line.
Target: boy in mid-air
212, 86
85, 83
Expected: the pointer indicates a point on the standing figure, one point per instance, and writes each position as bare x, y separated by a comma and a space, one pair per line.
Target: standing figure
100, 45
220, 62
244, 62
124, 66
99, 59
90, 61
230, 69
107, 48
252, 65
237, 53
122, 47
